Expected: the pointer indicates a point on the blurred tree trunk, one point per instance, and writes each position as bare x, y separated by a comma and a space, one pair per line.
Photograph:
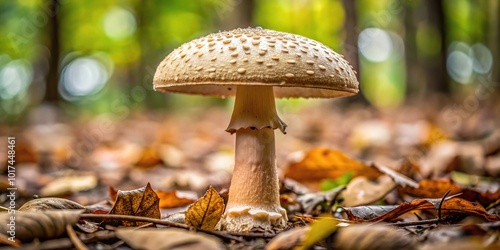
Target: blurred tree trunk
493, 33
53, 43
413, 72
435, 72
146, 66
240, 14
425, 75
350, 48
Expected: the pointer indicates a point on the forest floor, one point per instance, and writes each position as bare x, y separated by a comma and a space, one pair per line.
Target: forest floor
421, 176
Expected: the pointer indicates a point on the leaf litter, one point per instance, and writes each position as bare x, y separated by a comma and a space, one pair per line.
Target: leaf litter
342, 189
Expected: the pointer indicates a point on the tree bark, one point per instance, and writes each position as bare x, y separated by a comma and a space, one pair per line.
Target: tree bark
240, 15
350, 47
53, 43
425, 75
437, 79
494, 36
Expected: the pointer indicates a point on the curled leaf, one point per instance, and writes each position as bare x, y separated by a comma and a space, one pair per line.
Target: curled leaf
28, 226
44, 204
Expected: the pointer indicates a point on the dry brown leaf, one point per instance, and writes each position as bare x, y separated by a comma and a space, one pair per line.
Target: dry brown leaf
361, 191
113, 192
168, 199
38, 225
156, 238
288, 239
44, 204
463, 244
5, 240
206, 212
450, 206
432, 188
485, 198
321, 163
174, 198
397, 177
370, 237
69, 184
139, 202
149, 158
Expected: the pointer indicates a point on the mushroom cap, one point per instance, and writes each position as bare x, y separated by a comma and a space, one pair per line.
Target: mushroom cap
295, 65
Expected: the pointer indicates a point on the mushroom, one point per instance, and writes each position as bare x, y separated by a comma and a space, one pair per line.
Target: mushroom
255, 65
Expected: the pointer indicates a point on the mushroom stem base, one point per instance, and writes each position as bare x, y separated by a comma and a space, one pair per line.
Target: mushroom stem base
254, 192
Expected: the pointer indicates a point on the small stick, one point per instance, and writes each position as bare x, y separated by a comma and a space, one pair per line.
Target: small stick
441, 204
159, 222
74, 238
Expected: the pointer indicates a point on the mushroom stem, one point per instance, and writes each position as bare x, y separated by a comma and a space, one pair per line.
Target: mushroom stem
254, 192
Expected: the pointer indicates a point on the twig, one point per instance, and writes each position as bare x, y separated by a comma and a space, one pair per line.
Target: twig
441, 204
252, 235
159, 222
74, 238
416, 223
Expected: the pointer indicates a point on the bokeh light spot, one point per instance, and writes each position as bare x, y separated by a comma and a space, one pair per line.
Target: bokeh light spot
15, 78
81, 77
375, 44
119, 23
482, 58
459, 63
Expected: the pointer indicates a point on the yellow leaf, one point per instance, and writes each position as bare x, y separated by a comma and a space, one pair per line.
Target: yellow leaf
206, 212
320, 229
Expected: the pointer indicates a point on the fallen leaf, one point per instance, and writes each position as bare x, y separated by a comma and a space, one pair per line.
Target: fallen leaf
310, 200
361, 191
149, 158
168, 238
69, 184
319, 230
432, 188
321, 163
44, 204
38, 225
365, 213
168, 199
463, 244
113, 192
452, 205
139, 202
206, 212
397, 177
174, 198
370, 237
288, 239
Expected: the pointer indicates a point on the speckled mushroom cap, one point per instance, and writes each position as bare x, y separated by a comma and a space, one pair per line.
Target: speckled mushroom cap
295, 65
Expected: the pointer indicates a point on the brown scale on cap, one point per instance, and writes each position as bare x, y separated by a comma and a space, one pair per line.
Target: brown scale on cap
295, 65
